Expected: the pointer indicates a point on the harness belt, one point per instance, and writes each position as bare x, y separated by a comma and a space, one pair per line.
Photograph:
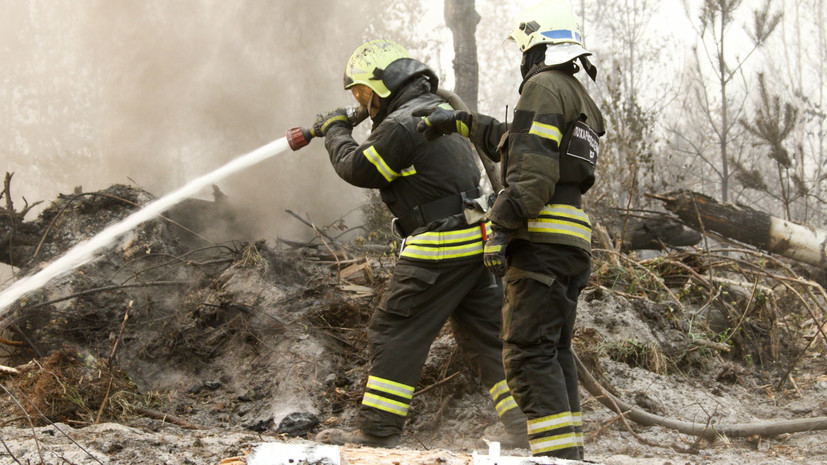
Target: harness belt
423, 214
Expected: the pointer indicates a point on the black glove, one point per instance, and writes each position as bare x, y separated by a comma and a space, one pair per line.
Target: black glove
437, 121
494, 251
324, 122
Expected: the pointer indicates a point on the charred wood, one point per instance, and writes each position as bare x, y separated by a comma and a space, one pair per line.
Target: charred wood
749, 226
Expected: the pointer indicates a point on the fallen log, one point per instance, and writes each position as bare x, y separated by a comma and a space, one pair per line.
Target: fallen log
706, 430
655, 233
749, 226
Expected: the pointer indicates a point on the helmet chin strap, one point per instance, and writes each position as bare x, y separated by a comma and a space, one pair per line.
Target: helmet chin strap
591, 69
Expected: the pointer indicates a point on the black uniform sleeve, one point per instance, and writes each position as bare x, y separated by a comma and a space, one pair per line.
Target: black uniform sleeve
486, 134
386, 155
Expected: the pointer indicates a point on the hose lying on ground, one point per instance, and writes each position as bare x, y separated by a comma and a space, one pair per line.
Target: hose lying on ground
707, 431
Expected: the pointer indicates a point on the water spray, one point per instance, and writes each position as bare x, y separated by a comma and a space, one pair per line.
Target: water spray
84, 251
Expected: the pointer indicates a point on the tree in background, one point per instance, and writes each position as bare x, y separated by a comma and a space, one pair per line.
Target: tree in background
771, 124
629, 103
709, 125
797, 71
462, 19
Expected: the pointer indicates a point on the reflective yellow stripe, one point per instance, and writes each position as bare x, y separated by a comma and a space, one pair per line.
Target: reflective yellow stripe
388, 405
566, 211
409, 171
538, 425
505, 405
576, 419
391, 387
435, 245
441, 253
560, 441
560, 227
580, 440
568, 220
462, 128
373, 156
546, 131
331, 120
498, 389
448, 237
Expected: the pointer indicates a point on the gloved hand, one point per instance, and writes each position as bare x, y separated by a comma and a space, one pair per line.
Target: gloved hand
494, 251
325, 121
437, 121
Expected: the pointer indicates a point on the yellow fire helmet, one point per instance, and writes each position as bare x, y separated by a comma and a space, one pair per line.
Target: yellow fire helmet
550, 22
369, 66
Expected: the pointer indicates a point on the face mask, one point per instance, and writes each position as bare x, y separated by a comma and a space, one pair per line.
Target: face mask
532, 57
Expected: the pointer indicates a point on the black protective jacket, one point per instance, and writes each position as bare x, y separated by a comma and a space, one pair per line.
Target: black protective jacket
408, 170
542, 182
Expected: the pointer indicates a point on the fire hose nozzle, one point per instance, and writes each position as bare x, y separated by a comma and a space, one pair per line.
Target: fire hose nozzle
299, 137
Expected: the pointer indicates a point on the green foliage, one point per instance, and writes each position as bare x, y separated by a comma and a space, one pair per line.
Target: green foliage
773, 122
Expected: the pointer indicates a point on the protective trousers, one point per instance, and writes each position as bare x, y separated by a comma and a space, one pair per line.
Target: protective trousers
420, 299
542, 285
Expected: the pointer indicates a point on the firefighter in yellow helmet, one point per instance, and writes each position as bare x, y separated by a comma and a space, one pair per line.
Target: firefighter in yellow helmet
440, 276
541, 237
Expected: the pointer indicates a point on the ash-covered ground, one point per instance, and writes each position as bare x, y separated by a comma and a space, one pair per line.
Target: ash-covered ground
179, 346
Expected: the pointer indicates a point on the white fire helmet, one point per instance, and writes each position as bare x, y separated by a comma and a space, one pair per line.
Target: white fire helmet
550, 22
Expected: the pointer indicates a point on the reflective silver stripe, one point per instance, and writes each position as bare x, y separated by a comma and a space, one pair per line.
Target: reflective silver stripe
373, 156
546, 131
498, 389
505, 405
577, 419
566, 211
550, 422
560, 227
443, 240
560, 441
431, 253
446, 237
388, 405
391, 387
408, 171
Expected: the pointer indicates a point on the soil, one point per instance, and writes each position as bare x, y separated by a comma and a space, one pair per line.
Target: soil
210, 347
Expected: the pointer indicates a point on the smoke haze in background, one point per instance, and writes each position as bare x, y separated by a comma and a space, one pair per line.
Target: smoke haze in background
97, 92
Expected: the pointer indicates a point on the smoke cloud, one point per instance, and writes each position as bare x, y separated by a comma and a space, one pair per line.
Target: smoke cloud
156, 93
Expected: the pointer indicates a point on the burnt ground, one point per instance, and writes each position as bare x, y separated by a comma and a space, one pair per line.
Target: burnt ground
176, 347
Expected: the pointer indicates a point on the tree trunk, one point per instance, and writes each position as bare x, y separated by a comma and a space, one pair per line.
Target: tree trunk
462, 18
749, 226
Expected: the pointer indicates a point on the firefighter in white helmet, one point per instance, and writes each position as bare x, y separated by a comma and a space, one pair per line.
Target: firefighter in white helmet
440, 275
541, 240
